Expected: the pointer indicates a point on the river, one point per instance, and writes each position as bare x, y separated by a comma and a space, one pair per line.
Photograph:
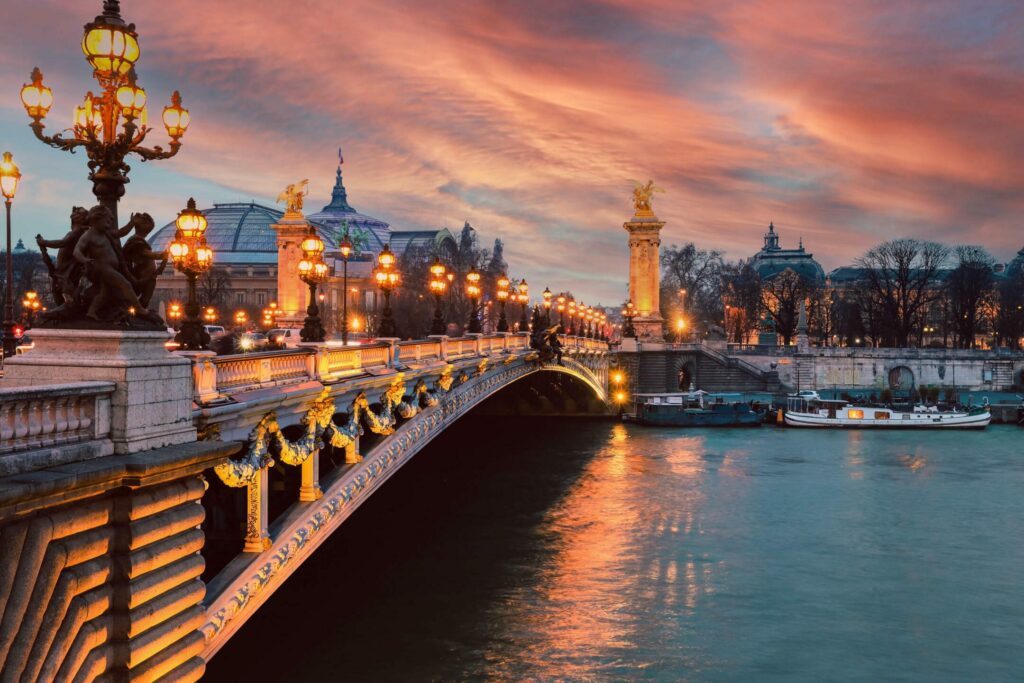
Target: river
543, 549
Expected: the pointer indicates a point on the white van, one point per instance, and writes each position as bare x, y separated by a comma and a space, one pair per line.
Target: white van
284, 336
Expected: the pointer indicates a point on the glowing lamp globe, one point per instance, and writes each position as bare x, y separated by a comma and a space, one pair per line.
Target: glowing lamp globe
36, 97
191, 222
9, 178
320, 271
179, 251
176, 118
204, 256
111, 48
345, 247
131, 98
386, 258
473, 277
312, 246
305, 267
437, 269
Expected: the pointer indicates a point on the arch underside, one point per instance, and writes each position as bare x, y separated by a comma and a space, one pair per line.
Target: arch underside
302, 528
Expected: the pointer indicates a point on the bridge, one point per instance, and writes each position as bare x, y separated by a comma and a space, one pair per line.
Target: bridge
122, 562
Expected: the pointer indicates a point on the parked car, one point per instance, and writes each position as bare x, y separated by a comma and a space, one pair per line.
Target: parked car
253, 341
284, 336
214, 330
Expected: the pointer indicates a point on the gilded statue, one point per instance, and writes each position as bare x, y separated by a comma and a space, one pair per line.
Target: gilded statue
292, 196
642, 196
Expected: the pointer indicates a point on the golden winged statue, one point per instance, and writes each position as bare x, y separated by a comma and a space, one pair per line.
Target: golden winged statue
292, 196
642, 195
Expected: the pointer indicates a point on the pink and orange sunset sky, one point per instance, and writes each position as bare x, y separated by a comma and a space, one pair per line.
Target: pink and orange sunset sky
844, 122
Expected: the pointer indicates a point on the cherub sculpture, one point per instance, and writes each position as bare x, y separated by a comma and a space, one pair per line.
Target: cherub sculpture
140, 258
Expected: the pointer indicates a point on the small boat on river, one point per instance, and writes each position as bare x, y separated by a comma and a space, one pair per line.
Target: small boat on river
694, 409
820, 413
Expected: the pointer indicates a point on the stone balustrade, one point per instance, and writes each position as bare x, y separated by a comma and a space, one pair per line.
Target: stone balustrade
49, 425
216, 377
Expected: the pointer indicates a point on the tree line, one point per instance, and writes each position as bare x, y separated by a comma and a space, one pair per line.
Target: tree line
900, 293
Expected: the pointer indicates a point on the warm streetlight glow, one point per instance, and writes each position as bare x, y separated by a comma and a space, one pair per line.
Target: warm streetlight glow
210, 314
620, 396
110, 46
9, 177
131, 97
191, 221
36, 97
176, 118
618, 377
680, 324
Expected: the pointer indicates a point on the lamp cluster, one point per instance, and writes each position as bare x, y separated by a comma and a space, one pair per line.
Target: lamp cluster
387, 277
312, 270
191, 256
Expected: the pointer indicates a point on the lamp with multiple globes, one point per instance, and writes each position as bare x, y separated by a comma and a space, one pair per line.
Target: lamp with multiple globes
503, 294
473, 292
241, 319
628, 313
112, 124
174, 313
345, 247
29, 305
192, 257
560, 307
210, 315
387, 278
547, 296
523, 296
312, 271
10, 176
571, 310
270, 314
438, 285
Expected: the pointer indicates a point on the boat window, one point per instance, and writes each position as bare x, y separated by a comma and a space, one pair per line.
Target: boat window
881, 416
855, 414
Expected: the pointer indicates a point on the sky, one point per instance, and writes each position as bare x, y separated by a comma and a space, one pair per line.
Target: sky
846, 123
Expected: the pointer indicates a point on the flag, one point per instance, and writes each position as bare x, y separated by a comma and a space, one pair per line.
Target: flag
341, 159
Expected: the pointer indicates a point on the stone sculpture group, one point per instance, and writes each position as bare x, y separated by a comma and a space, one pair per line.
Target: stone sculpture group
97, 282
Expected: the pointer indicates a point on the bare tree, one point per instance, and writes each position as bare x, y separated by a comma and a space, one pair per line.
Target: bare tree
781, 298
213, 287
902, 277
970, 289
741, 289
692, 283
1009, 323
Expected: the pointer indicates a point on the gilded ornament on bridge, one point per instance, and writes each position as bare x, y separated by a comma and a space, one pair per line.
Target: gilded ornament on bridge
444, 382
239, 473
642, 197
292, 197
462, 378
481, 367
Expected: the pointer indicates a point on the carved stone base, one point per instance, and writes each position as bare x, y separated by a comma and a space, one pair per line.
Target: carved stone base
649, 329
151, 405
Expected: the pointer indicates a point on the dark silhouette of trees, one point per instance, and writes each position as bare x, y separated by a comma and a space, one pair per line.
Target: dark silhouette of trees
691, 285
901, 279
970, 292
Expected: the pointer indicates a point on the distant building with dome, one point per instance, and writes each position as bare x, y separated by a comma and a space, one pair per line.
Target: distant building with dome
245, 251
773, 259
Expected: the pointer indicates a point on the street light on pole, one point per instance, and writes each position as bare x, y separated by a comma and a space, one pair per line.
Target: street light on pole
438, 285
345, 247
473, 292
524, 300
191, 256
387, 278
503, 293
547, 295
9, 178
312, 271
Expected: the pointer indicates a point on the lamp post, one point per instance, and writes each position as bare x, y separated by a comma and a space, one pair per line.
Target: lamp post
210, 315
438, 285
111, 125
473, 292
312, 271
503, 293
387, 279
628, 311
560, 307
191, 256
524, 299
547, 295
174, 314
9, 177
30, 304
241, 319
269, 315
571, 306
346, 250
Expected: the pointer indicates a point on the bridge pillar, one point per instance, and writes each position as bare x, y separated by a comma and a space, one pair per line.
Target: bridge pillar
645, 274
291, 292
310, 488
257, 517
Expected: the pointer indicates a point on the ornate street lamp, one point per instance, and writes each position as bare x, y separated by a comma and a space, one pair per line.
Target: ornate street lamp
438, 285
560, 307
112, 124
210, 315
524, 299
30, 304
503, 293
241, 319
9, 178
473, 292
387, 278
174, 314
547, 295
312, 271
628, 312
270, 315
345, 247
191, 256
572, 318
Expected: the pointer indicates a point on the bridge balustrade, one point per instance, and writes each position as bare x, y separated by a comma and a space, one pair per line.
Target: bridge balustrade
420, 350
36, 418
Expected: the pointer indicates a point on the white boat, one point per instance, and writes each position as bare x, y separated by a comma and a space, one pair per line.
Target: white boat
801, 412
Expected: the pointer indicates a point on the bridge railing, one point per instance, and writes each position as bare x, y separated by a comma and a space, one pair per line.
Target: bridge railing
218, 376
34, 418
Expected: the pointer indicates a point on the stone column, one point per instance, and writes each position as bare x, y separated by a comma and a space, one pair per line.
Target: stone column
645, 274
292, 293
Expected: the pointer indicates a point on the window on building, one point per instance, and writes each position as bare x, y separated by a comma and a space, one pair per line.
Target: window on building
261, 298
240, 298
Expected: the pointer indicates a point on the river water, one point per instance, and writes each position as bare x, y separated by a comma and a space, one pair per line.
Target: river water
543, 549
